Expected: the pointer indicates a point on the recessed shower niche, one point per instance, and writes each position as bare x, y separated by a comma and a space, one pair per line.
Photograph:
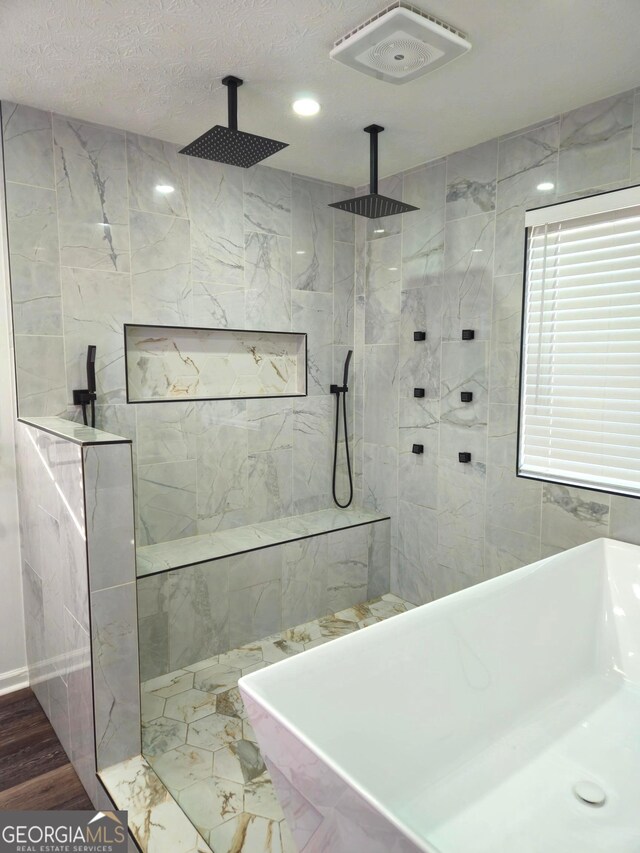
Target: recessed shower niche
168, 363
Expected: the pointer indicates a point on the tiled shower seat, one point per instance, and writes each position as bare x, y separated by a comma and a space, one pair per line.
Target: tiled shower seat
192, 550
201, 596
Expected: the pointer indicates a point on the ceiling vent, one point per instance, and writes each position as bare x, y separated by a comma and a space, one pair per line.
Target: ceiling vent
399, 44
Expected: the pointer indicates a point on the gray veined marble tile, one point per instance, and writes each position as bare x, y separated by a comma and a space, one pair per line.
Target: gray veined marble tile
160, 268
347, 568
461, 490
524, 162
36, 300
95, 307
28, 145
379, 476
505, 339
625, 519
41, 377
471, 180
381, 395
572, 516
421, 310
312, 235
217, 236
343, 293
313, 313
255, 612
635, 141
115, 674
34, 251
166, 501
80, 695
304, 580
512, 502
221, 429
256, 567
312, 449
383, 290
418, 473
153, 163
198, 607
166, 433
32, 221
269, 425
219, 306
423, 230
595, 144
505, 550
464, 368
267, 200
468, 276
110, 515
270, 484
268, 281
379, 559
417, 552
91, 179
34, 632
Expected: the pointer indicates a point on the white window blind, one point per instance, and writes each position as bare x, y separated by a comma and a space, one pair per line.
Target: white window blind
580, 373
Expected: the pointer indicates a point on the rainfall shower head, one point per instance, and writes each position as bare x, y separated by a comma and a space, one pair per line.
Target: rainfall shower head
230, 145
374, 205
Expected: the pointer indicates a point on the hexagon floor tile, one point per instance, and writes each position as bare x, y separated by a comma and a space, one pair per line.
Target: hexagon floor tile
200, 743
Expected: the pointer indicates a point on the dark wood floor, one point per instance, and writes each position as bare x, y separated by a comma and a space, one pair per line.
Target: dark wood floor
35, 772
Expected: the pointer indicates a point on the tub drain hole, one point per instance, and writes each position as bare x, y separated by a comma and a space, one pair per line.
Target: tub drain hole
589, 793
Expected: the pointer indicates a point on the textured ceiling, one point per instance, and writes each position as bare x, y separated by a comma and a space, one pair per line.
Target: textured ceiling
154, 67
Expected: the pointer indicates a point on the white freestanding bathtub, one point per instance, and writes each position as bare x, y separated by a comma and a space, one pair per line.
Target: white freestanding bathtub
469, 725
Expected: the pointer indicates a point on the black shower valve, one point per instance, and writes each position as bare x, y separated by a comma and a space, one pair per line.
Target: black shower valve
418, 449
419, 336
464, 457
418, 392
468, 334
466, 396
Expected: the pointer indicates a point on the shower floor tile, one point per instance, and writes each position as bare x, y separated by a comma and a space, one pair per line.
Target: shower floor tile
196, 735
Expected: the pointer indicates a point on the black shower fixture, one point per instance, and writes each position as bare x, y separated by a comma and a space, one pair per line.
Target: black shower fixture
87, 396
374, 205
230, 145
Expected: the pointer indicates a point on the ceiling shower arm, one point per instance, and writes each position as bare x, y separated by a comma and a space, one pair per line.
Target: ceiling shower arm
232, 84
373, 130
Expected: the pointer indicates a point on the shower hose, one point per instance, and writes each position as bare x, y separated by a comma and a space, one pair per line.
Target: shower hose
341, 394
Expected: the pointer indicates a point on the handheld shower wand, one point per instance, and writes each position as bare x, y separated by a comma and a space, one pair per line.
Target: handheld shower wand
341, 393
87, 396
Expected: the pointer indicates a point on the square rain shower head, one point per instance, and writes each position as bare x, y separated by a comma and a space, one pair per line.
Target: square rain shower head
235, 147
373, 206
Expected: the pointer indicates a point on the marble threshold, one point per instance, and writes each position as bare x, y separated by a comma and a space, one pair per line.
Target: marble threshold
202, 786
177, 553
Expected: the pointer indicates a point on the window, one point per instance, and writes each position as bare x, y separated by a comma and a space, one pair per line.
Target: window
580, 371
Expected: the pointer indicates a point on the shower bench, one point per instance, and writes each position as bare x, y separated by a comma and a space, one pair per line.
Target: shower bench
203, 595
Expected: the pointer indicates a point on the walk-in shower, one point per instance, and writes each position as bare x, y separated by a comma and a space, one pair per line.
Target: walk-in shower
341, 395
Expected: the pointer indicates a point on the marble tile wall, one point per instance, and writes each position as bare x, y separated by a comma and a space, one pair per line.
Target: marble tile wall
94, 245
76, 518
458, 263
190, 614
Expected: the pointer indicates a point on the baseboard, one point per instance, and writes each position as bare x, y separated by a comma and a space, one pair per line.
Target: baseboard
15, 679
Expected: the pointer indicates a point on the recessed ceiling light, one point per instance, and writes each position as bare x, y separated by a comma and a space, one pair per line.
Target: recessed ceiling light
545, 186
165, 189
306, 107
392, 269
477, 250
300, 252
378, 230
